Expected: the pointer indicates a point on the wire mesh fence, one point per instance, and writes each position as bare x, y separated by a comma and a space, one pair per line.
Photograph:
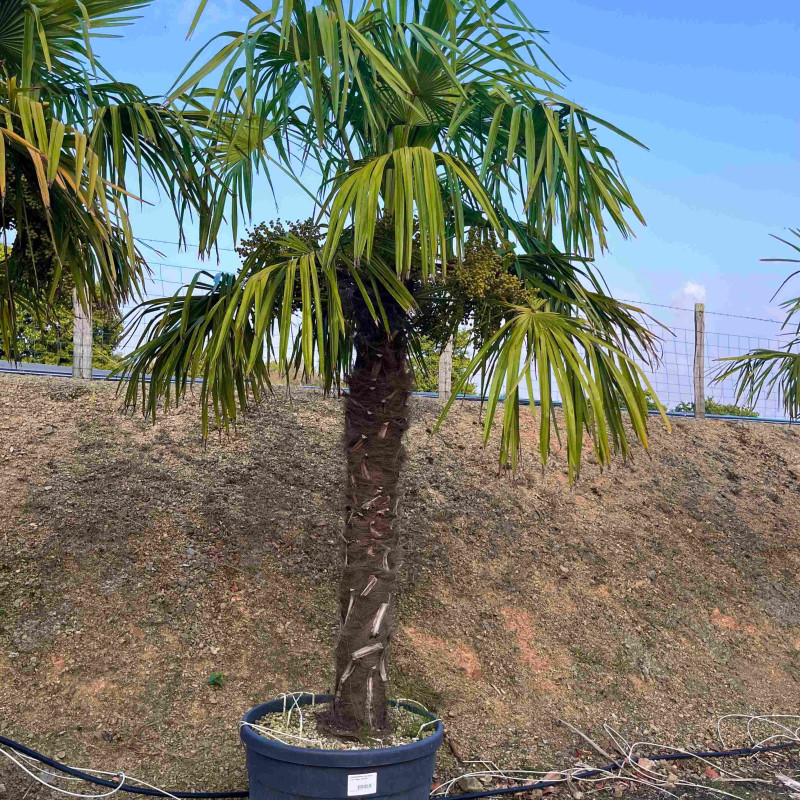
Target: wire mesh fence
723, 345
724, 335
671, 377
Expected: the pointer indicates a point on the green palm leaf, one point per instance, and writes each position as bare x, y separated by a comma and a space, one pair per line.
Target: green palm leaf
191, 336
436, 78
771, 371
287, 308
589, 372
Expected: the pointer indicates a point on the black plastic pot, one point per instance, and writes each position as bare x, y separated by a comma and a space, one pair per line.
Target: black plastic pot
282, 772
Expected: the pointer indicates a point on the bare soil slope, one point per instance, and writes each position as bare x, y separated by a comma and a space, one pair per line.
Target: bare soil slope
134, 563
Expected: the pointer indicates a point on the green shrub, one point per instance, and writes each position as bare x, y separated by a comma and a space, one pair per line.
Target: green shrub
713, 407
48, 340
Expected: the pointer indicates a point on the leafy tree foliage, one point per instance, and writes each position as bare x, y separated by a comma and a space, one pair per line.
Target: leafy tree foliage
48, 339
713, 407
426, 378
70, 137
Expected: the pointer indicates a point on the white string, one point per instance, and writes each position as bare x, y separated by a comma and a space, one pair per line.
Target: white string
655, 777
45, 771
427, 725
120, 775
770, 719
295, 697
416, 703
272, 734
645, 774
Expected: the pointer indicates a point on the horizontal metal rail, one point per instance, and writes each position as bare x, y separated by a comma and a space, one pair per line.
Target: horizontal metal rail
61, 371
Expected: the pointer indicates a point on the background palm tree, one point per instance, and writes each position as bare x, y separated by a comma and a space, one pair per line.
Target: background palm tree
454, 185
69, 136
763, 370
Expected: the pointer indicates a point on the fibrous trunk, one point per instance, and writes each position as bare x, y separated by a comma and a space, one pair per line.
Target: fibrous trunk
375, 420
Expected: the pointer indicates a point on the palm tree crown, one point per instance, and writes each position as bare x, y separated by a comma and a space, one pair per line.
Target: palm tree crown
418, 123
454, 185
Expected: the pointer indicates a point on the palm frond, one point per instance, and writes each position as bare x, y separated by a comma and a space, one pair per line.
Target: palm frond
767, 370
49, 42
552, 354
573, 287
53, 185
70, 137
762, 370
461, 82
189, 337
415, 202
791, 306
288, 308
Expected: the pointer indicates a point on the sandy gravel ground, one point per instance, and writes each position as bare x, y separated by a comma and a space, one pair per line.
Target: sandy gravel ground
134, 563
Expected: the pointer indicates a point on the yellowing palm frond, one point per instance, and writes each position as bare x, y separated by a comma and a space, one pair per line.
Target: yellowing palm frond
69, 137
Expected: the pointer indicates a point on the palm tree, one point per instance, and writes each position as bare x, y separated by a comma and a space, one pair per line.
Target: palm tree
771, 370
453, 184
69, 136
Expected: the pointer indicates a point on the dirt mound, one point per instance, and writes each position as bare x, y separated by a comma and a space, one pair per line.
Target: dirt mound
134, 563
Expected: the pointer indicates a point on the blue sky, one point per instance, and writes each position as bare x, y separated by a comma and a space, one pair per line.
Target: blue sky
712, 88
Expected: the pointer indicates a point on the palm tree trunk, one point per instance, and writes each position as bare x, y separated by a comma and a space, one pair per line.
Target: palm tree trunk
375, 420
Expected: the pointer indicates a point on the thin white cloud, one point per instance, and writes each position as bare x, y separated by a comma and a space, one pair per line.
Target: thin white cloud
690, 294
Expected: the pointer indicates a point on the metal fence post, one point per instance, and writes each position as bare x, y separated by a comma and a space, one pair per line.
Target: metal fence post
699, 360
446, 371
81, 338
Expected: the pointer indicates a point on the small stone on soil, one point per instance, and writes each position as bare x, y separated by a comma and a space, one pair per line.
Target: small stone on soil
469, 785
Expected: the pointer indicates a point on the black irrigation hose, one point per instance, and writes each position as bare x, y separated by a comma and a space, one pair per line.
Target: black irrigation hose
589, 773
76, 773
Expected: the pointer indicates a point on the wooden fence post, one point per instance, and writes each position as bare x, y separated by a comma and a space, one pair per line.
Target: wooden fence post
446, 371
81, 338
699, 360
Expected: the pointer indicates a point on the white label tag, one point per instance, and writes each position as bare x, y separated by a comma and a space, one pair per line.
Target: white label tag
362, 784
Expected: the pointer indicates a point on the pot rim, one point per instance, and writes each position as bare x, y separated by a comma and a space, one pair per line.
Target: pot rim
315, 756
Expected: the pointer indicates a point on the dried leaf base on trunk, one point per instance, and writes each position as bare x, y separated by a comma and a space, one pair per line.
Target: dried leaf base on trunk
376, 417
